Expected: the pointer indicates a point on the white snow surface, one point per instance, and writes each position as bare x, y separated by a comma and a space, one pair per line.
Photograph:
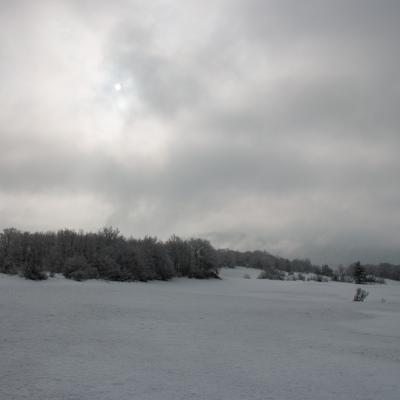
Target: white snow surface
225, 339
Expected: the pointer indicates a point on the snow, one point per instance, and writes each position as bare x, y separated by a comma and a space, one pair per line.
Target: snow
227, 339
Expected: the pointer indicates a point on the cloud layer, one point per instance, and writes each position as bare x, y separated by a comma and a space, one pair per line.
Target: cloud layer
256, 124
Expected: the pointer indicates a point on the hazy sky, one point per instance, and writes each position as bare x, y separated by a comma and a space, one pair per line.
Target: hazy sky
256, 124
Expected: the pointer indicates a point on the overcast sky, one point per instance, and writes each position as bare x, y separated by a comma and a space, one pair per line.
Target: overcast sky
257, 124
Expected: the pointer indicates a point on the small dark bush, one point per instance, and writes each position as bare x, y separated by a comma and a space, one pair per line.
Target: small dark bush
77, 268
84, 274
34, 274
273, 274
319, 278
360, 295
204, 275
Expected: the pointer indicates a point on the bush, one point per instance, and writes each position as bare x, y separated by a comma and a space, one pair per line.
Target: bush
9, 267
319, 278
83, 275
360, 295
246, 276
373, 279
204, 275
33, 273
273, 274
301, 277
78, 269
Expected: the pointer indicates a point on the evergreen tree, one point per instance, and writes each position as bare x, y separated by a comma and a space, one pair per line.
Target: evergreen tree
359, 273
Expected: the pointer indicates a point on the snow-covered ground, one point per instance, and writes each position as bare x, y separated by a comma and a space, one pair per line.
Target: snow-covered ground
231, 339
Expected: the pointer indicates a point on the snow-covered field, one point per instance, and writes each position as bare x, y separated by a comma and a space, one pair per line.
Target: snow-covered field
231, 339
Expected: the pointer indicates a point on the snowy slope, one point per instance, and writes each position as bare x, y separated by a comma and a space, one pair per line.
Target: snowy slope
230, 339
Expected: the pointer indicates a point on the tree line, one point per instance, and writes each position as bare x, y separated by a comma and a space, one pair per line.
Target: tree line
104, 255
108, 255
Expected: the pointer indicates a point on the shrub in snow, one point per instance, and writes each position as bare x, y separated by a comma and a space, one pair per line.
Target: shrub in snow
360, 295
78, 269
301, 277
246, 276
273, 274
317, 278
373, 279
33, 273
7, 266
204, 275
83, 275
